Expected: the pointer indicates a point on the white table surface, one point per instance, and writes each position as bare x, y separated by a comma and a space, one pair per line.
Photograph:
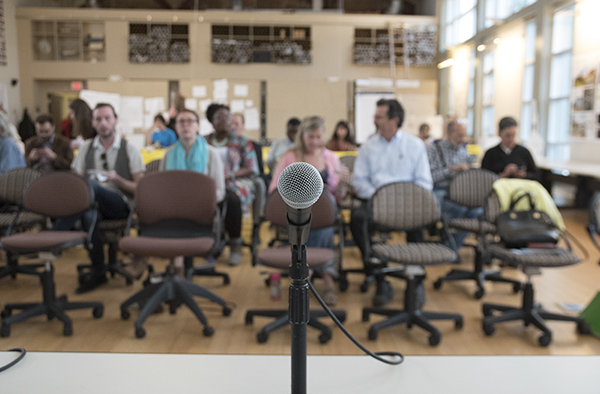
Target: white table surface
571, 167
181, 374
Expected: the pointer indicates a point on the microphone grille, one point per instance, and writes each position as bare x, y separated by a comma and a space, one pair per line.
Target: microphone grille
300, 185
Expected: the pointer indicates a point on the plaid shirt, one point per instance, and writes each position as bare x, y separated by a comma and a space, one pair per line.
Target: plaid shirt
443, 155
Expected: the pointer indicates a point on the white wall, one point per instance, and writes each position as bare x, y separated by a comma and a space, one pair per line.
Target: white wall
11, 70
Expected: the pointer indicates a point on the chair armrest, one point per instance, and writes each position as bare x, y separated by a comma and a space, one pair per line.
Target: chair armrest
14, 222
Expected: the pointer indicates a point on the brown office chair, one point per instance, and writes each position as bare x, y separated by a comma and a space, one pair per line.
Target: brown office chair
530, 261
176, 211
323, 216
12, 217
594, 226
470, 189
404, 206
57, 194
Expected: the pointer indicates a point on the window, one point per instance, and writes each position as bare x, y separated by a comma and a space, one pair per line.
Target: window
459, 21
502, 9
560, 85
487, 121
471, 95
527, 106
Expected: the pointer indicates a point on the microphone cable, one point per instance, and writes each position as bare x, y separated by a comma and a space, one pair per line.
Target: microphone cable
378, 355
22, 354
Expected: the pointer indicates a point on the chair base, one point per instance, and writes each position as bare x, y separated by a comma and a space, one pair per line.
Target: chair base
530, 313
174, 291
412, 314
282, 319
479, 275
204, 270
51, 306
13, 267
370, 276
114, 267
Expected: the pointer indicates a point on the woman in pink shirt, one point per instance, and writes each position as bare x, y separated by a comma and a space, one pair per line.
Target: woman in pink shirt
310, 148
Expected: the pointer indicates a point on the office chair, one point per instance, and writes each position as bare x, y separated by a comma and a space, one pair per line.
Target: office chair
470, 189
594, 226
323, 216
12, 217
530, 261
176, 211
47, 196
404, 206
153, 167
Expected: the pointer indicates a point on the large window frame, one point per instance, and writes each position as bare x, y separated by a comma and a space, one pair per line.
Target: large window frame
528, 103
459, 21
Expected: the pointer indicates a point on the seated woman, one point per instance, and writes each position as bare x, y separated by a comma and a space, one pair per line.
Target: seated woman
342, 139
192, 153
159, 134
309, 148
240, 164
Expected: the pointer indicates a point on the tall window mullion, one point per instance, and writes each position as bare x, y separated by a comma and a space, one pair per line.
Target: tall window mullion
487, 119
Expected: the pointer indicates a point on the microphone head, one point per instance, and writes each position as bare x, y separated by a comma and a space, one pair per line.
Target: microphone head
300, 185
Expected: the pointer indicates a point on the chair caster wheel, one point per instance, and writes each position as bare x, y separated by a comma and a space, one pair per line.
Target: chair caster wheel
262, 337
140, 333
458, 324
4, 330
249, 319
434, 339
125, 314
173, 308
68, 329
437, 284
365, 316
324, 338
487, 311
226, 311
343, 285
98, 312
128, 282
49, 316
364, 287
516, 287
488, 328
583, 328
545, 339
226, 281
372, 334
208, 331
6, 313
479, 293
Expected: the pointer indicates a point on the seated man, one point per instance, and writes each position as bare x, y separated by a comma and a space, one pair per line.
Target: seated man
508, 159
48, 151
389, 156
279, 147
446, 158
115, 168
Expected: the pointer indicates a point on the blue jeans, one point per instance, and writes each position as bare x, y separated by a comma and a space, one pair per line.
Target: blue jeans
451, 211
110, 206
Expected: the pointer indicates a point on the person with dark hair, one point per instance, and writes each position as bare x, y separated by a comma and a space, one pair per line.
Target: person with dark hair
159, 134
342, 139
279, 147
48, 151
424, 134
82, 129
508, 159
114, 168
240, 164
389, 156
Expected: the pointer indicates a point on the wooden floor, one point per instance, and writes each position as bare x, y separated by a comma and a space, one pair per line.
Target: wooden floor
181, 333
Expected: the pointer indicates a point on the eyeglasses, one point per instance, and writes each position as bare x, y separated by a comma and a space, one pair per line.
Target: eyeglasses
104, 162
186, 121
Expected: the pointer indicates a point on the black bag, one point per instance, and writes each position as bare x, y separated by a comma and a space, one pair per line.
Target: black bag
522, 229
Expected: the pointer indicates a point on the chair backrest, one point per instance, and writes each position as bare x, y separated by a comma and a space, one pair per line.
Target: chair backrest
471, 188
595, 214
153, 166
59, 194
403, 206
176, 195
492, 208
348, 161
14, 182
323, 211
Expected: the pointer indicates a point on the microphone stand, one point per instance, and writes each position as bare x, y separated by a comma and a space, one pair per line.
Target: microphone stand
299, 311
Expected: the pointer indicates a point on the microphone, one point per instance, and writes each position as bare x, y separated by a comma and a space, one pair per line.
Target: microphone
300, 186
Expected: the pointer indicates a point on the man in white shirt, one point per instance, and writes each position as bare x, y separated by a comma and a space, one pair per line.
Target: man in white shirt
390, 156
279, 147
114, 167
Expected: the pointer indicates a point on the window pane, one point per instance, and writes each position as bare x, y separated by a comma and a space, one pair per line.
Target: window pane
488, 121
562, 31
466, 5
466, 26
488, 90
472, 65
558, 121
470, 120
450, 11
528, 83
471, 98
530, 33
560, 76
525, 122
558, 151
490, 12
488, 63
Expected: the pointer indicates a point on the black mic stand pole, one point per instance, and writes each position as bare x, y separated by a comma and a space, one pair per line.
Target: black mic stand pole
299, 311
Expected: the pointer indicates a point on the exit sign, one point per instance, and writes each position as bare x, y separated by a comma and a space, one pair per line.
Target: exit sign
76, 85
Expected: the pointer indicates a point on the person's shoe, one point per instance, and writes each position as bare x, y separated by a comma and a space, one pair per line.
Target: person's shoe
384, 294
235, 251
89, 282
330, 297
136, 268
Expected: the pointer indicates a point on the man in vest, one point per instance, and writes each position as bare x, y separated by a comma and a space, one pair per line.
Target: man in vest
114, 167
